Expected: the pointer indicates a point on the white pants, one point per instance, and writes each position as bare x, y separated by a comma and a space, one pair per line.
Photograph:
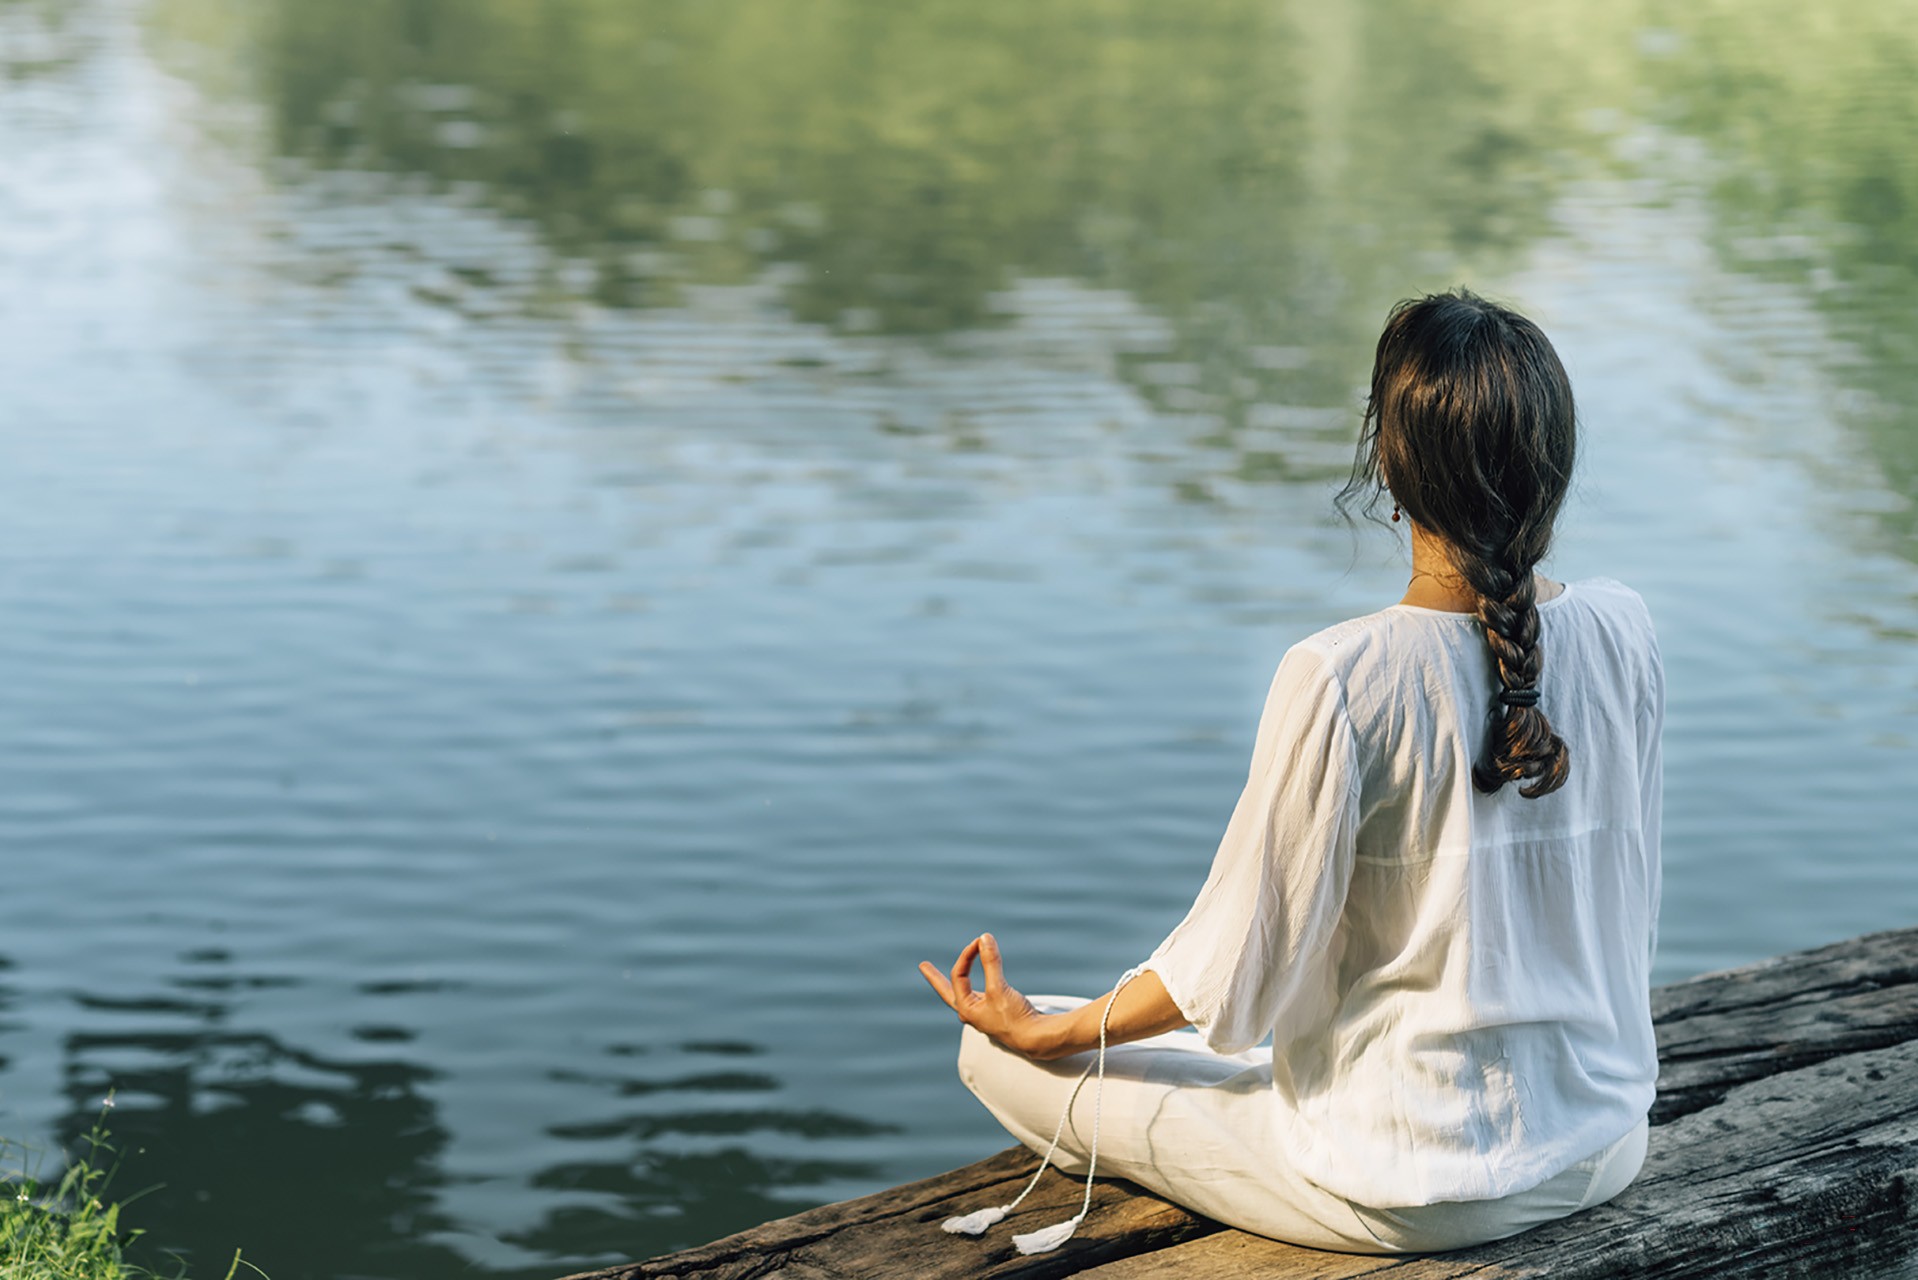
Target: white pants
1183, 1122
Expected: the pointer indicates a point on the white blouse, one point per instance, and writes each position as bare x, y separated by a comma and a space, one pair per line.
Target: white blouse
1457, 985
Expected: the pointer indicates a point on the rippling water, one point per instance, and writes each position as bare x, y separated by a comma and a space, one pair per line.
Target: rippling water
554, 548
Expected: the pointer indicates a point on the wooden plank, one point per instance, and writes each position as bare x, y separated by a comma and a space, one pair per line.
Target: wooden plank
896, 1231
1780, 1147
1720, 1029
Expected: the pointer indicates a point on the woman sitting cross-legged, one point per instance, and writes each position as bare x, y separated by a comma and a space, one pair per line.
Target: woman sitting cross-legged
1437, 895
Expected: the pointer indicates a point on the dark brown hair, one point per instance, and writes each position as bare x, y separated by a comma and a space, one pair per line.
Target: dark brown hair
1470, 426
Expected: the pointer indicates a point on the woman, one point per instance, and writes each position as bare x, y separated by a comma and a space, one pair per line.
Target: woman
1438, 893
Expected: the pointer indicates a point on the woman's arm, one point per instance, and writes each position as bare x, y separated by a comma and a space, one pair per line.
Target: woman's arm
1142, 1009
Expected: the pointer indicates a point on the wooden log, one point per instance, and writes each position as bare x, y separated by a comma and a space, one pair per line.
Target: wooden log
1784, 1142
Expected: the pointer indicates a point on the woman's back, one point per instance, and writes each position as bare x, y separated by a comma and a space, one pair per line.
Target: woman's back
1489, 973
1457, 983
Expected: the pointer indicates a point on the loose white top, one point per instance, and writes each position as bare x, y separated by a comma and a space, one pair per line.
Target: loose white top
1457, 984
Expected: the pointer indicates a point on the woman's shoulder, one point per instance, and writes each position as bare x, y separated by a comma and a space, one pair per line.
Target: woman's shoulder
1608, 590
1359, 646
1338, 644
1618, 607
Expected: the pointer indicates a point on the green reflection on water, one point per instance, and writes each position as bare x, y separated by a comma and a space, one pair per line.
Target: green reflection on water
312, 1166
1230, 165
1267, 177
318, 1166
1810, 117
43, 39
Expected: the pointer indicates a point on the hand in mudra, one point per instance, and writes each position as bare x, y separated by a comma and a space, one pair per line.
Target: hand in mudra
998, 1010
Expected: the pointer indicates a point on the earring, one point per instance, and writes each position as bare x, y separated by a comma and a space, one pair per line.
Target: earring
1395, 513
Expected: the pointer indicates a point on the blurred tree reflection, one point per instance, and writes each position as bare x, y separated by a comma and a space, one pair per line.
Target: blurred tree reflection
693, 1177
7, 998
314, 1166
1810, 115
40, 38
664, 1200
1265, 176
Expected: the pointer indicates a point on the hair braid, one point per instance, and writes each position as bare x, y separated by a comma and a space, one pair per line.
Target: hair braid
1521, 743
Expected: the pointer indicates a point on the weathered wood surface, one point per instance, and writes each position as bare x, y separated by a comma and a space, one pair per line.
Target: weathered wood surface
1784, 1143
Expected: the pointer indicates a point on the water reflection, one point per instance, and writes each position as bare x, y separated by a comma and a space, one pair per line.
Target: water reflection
1267, 177
315, 1165
326, 1165
7, 1022
1814, 182
897, 171
43, 39
697, 1161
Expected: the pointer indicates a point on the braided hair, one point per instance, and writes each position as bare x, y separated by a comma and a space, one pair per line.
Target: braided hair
1470, 426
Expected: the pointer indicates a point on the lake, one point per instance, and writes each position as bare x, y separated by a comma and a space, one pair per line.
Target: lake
554, 549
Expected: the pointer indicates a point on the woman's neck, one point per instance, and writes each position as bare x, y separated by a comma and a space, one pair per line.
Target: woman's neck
1436, 584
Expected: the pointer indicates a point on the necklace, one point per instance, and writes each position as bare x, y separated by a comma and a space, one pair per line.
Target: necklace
1447, 594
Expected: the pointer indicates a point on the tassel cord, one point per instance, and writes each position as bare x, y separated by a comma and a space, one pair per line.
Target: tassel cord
1048, 1238
1099, 1092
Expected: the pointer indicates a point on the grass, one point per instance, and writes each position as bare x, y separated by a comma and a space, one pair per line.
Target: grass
69, 1229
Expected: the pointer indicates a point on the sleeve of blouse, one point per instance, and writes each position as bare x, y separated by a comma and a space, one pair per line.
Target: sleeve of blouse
1256, 935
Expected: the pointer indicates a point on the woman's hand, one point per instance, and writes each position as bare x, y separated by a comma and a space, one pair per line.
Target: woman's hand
999, 1010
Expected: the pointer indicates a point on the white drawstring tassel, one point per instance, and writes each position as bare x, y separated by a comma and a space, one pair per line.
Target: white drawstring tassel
1048, 1238
976, 1222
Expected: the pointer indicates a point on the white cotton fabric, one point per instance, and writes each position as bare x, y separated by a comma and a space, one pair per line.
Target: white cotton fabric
1457, 984
1195, 1127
